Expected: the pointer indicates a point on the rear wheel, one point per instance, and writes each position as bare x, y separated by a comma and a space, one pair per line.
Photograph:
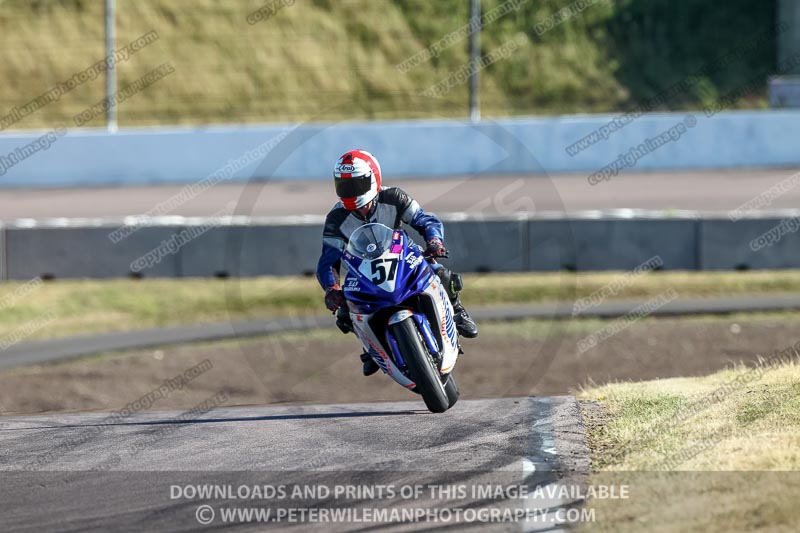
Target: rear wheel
421, 366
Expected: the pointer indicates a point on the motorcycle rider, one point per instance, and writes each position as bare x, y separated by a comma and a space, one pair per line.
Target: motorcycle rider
357, 178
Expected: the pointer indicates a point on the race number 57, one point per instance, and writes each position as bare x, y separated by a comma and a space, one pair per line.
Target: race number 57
380, 274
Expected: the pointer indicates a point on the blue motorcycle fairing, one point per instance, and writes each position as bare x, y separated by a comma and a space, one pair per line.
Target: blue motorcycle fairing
411, 275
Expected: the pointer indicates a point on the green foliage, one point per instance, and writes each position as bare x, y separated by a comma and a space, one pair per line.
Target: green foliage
331, 60
658, 42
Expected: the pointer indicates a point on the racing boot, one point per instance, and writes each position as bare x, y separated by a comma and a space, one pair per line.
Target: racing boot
370, 366
464, 324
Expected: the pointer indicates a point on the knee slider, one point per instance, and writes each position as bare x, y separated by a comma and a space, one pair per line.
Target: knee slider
451, 281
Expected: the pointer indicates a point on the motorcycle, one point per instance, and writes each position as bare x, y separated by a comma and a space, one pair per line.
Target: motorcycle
401, 314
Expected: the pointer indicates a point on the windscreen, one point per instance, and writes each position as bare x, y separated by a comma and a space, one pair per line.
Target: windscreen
370, 241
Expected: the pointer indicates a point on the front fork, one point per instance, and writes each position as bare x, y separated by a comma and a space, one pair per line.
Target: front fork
427, 337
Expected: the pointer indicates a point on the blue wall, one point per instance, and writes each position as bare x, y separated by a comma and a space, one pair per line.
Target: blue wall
405, 148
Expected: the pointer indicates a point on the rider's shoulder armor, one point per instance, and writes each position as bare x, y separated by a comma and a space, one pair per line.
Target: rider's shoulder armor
333, 222
392, 203
395, 196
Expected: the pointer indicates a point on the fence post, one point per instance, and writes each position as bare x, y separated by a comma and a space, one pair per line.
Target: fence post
474, 56
111, 71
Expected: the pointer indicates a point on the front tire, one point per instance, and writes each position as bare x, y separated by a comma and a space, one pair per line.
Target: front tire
451, 388
421, 366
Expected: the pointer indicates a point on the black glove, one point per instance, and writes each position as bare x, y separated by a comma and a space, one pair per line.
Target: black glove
334, 298
436, 249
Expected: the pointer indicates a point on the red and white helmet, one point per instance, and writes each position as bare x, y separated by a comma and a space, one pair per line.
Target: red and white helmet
357, 176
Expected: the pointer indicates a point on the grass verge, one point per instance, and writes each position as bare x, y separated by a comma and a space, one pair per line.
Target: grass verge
523, 358
75, 307
717, 453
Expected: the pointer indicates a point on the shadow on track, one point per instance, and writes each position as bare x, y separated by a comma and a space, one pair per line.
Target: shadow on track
232, 419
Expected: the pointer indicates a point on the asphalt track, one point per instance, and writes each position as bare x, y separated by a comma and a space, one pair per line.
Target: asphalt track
44, 351
706, 192
87, 472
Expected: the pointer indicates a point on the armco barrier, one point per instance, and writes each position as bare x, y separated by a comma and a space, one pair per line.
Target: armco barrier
3, 262
253, 247
487, 245
84, 252
626, 244
729, 139
726, 245
611, 244
275, 249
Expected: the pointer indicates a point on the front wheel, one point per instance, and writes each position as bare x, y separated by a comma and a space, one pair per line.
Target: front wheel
451, 388
421, 366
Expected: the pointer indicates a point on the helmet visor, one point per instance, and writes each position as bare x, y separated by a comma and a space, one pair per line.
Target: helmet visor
353, 187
